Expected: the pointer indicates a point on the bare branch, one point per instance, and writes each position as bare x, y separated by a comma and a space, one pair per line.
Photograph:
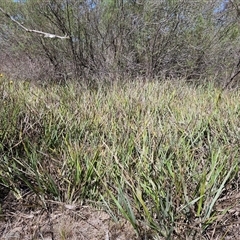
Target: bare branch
45, 34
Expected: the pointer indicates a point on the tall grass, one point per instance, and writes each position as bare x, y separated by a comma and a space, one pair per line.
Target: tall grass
160, 155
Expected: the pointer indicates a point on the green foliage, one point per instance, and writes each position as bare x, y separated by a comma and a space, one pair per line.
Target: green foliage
125, 38
160, 155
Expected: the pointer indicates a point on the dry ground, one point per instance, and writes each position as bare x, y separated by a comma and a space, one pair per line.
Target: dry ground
27, 219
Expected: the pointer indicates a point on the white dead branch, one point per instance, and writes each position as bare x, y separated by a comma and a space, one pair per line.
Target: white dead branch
45, 34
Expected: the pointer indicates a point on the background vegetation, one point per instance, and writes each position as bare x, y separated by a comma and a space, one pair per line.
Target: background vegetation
115, 38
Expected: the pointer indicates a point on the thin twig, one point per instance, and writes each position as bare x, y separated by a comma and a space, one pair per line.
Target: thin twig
45, 34
226, 85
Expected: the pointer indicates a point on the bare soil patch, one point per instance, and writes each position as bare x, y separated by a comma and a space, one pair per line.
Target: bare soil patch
27, 219
22, 220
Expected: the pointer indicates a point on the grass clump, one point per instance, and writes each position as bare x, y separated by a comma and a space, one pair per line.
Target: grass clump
160, 155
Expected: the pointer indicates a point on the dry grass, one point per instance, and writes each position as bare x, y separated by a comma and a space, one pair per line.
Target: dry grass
163, 156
